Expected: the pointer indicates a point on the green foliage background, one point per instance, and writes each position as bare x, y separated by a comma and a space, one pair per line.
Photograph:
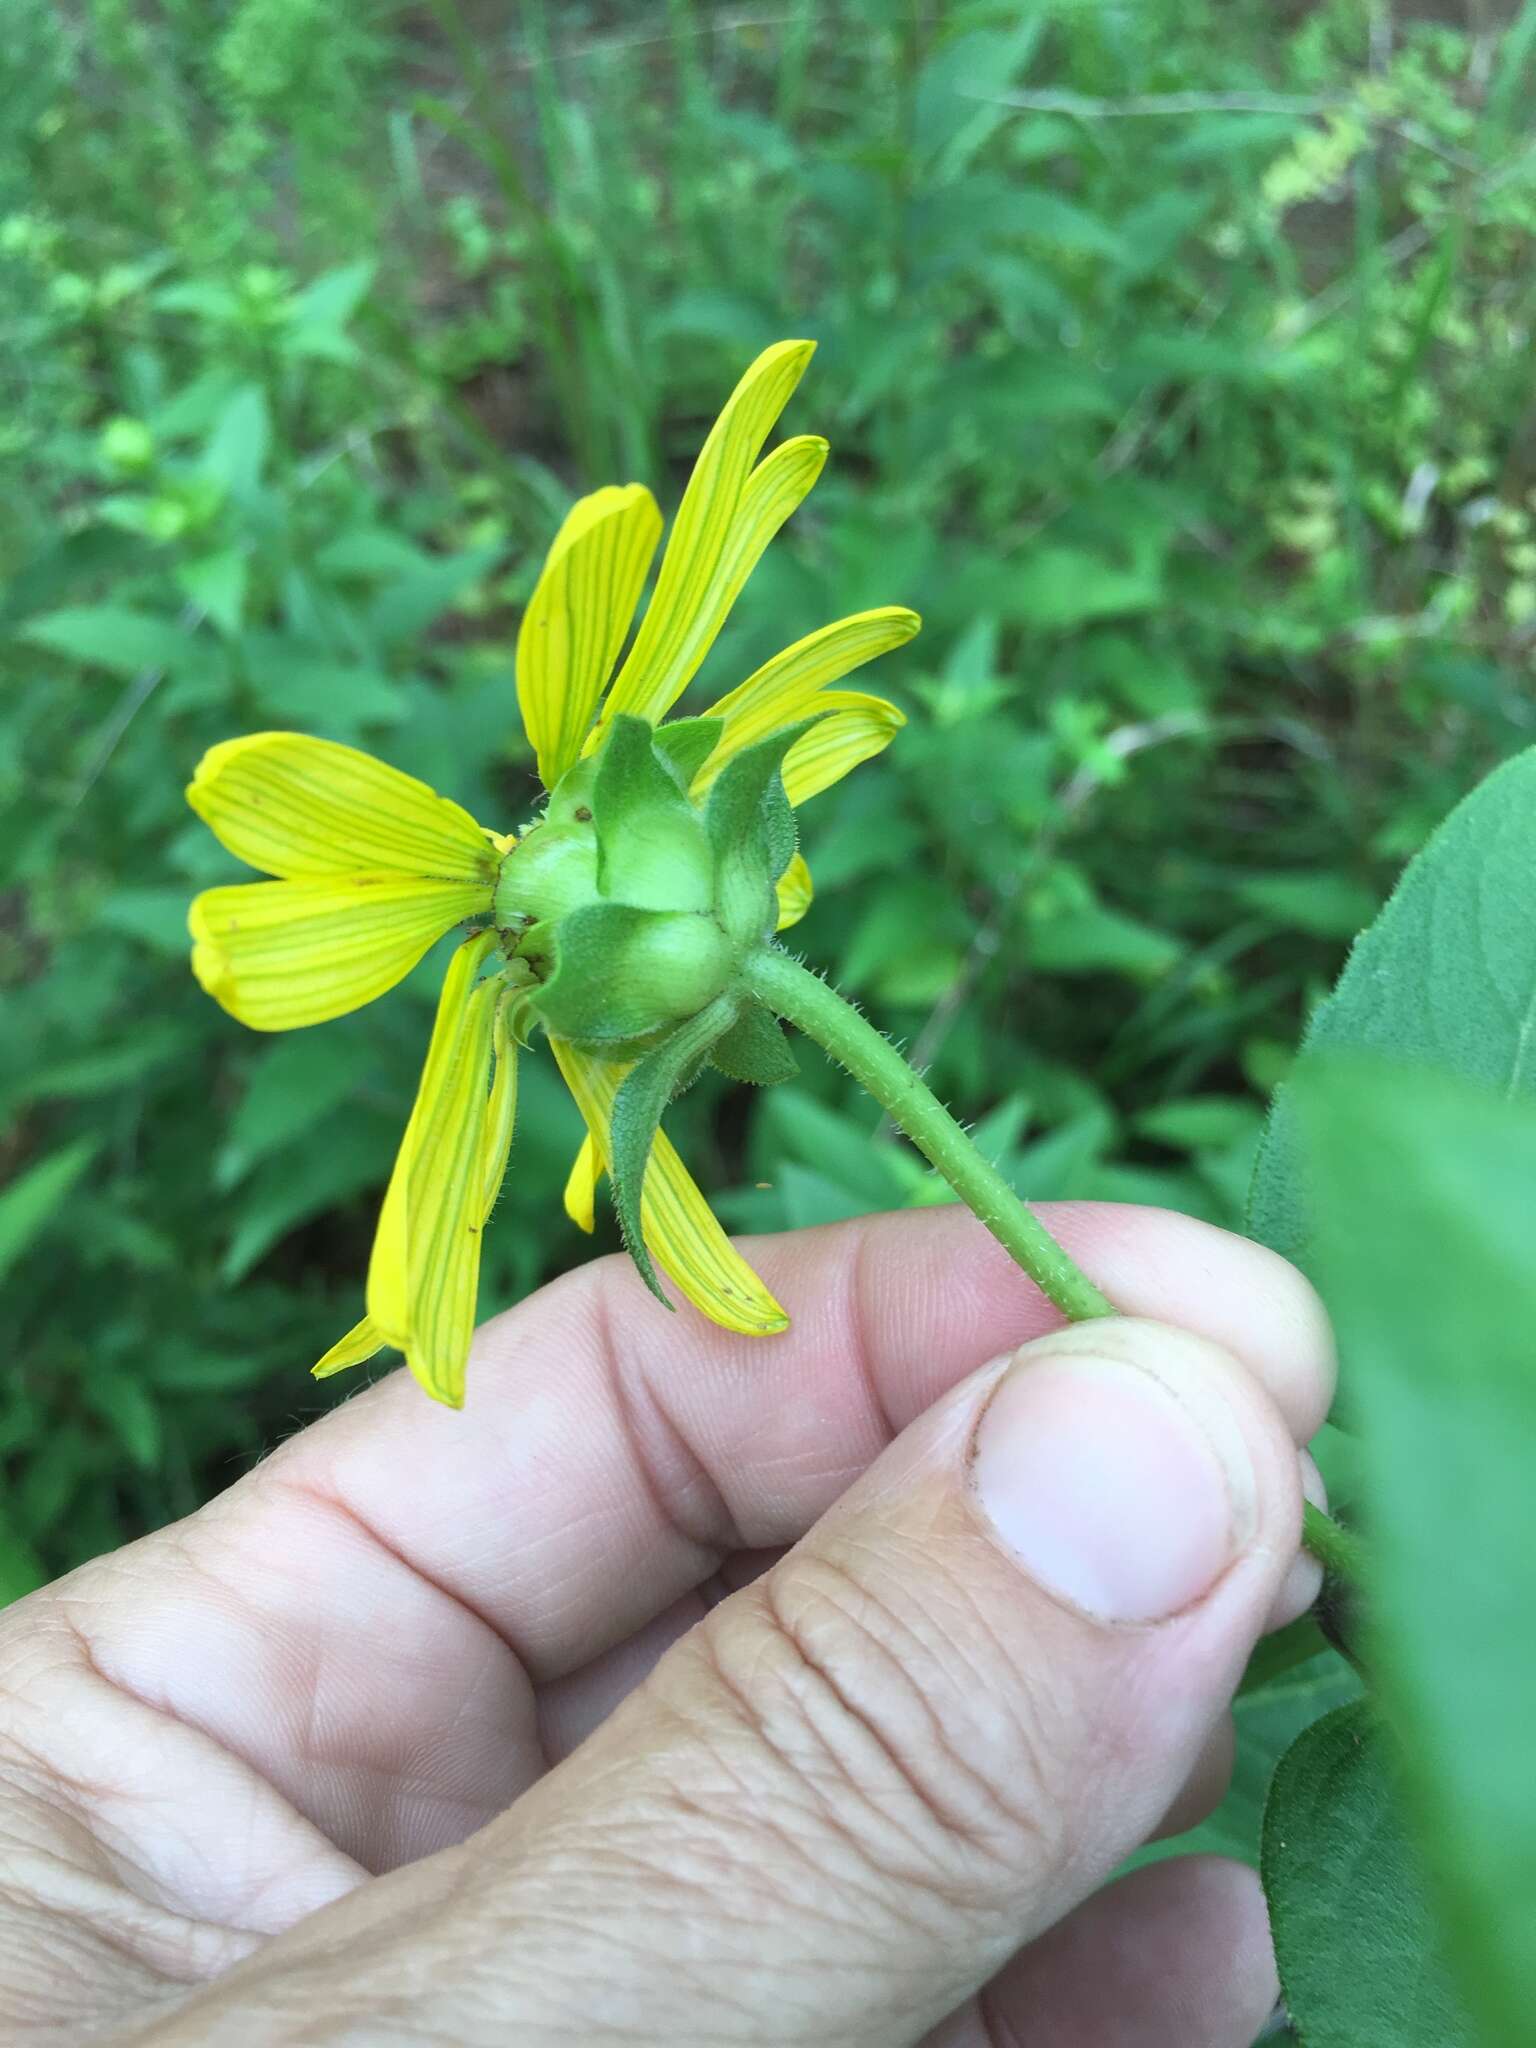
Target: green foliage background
1176, 360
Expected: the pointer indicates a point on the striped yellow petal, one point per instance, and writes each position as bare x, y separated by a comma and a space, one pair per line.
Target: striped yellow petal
788, 687
296, 806
278, 955
728, 515
680, 1228
578, 616
501, 1114
581, 1187
858, 728
425, 1269
361, 1342
795, 891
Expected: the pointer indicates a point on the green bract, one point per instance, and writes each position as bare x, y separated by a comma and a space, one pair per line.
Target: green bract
635, 907
636, 910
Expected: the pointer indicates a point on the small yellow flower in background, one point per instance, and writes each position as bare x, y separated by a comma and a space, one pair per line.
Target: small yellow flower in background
371, 868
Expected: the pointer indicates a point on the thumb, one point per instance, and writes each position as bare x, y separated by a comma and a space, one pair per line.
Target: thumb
945, 1717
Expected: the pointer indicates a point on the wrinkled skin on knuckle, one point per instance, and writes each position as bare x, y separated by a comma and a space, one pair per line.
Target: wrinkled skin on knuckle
876, 1733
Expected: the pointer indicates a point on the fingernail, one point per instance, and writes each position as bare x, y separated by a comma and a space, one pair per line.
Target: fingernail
1113, 1490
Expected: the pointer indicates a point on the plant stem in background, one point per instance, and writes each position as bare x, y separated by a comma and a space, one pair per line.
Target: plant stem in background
793, 992
812, 1006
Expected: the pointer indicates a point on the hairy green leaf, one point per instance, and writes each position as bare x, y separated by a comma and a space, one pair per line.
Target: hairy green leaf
736, 813
637, 1113
685, 744
756, 1049
1356, 1946
752, 830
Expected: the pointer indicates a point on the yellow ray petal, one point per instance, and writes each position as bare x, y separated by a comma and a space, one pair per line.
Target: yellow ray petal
361, 1342
296, 806
680, 1228
578, 616
795, 891
859, 728
724, 500
788, 687
425, 1269
501, 1113
278, 955
581, 1187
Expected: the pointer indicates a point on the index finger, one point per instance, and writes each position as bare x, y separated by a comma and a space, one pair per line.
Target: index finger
611, 1456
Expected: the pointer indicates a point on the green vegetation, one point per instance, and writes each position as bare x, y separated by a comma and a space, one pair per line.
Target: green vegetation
1175, 369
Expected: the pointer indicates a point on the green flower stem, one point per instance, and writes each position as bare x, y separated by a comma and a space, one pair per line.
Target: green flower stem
812, 1006
1337, 1549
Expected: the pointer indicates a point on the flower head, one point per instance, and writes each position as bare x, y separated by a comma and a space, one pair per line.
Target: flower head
664, 853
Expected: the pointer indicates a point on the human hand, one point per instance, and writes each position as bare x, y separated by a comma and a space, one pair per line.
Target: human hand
521, 1724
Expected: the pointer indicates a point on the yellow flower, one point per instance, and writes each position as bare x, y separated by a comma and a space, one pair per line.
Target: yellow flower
372, 867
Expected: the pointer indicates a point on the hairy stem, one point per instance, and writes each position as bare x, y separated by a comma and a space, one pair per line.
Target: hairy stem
814, 1007
807, 1002
1337, 1549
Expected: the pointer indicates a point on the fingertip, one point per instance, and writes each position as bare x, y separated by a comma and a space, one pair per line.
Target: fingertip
1176, 1269
1177, 1951
1304, 1580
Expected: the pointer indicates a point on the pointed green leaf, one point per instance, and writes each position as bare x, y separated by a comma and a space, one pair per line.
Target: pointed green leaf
1446, 976
752, 830
781, 834
1354, 1939
30, 1203
112, 637
756, 1049
637, 1114
685, 744
735, 810
217, 583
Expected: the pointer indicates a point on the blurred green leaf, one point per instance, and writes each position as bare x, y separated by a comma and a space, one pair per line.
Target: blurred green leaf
292, 1085
318, 315
237, 448
411, 603
1057, 589
1202, 1121
1332, 906
1423, 1188
216, 584
356, 1154
98, 1072
294, 684
157, 916
810, 1197
128, 1410
21, 1568
32, 1200
111, 637
841, 1149
1090, 938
